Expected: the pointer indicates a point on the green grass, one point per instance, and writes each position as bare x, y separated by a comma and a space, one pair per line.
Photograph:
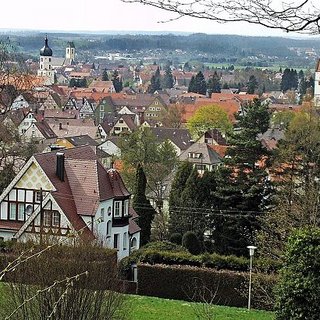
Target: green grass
150, 308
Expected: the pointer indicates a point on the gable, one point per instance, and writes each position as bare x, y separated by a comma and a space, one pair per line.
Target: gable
34, 178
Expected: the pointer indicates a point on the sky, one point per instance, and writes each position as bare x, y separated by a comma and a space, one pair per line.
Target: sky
111, 15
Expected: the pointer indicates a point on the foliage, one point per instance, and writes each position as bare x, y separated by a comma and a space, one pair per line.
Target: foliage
176, 238
177, 282
13, 153
208, 117
282, 119
142, 206
252, 85
172, 118
214, 85
167, 81
155, 84
191, 242
105, 76
78, 83
296, 171
70, 288
289, 80
157, 160
198, 84
116, 80
299, 285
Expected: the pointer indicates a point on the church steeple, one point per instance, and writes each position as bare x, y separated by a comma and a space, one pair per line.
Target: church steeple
45, 64
46, 50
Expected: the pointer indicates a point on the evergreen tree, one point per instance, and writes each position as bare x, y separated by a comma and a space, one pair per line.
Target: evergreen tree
289, 80
192, 85
168, 81
175, 202
214, 85
105, 76
241, 190
200, 83
155, 84
252, 84
142, 206
117, 83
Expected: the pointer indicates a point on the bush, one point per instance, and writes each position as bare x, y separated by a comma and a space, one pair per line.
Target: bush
299, 286
181, 282
191, 242
176, 238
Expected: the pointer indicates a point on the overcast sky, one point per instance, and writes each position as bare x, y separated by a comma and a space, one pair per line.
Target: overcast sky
109, 15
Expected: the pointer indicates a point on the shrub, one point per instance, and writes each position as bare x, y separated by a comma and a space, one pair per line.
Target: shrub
191, 242
299, 286
181, 282
176, 238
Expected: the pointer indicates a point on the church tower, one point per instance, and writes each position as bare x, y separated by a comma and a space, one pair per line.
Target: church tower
70, 52
45, 69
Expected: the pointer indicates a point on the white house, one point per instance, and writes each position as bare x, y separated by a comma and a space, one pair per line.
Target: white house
69, 195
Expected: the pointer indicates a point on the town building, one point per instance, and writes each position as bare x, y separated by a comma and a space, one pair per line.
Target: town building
67, 195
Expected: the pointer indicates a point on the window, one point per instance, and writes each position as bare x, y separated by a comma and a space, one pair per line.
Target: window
21, 211
156, 102
38, 195
55, 219
120, 120
109, 211
116, 241
158, 109
117, 209
102, 107
117, 129
152, 108
51, 218
109, 228
13, 211
47, 218
126, 208
102, 214
124, 240
134, 244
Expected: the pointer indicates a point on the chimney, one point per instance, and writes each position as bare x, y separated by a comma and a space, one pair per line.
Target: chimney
60, 166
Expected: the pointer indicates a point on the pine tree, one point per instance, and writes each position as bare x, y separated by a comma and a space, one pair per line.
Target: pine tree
117, 83
252, 85
105, 76
214, 85
175, 203
142, 206
168, 81
155, 82
192, 85
200, 83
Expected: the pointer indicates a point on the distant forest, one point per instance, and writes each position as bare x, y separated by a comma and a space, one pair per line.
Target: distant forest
215, 45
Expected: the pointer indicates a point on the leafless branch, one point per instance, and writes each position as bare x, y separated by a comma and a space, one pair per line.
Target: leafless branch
295, 16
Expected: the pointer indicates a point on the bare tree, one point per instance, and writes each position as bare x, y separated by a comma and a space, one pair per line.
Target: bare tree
294, 16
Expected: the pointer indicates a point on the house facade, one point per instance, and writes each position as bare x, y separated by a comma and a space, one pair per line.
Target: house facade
66, 196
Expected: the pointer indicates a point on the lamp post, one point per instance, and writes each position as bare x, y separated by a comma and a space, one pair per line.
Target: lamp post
251, 253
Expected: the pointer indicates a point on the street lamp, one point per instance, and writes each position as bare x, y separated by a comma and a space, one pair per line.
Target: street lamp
251, 253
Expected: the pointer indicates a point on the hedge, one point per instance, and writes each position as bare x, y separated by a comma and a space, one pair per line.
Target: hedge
60, 262
184, 282
171, 254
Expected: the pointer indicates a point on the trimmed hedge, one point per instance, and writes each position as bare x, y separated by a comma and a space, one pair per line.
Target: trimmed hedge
171, 254
181, 282
216, 286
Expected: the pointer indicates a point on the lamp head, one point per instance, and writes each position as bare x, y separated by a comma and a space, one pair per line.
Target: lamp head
251, 250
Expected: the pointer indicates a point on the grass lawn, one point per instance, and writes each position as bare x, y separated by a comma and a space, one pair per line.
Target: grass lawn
150, 308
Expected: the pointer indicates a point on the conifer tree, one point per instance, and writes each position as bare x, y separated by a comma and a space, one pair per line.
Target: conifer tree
168, 81
117, 83
214, 85
105, 76
142, 206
